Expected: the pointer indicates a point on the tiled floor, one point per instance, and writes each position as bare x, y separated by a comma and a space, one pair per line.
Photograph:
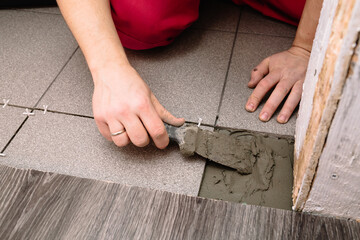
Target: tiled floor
41, 64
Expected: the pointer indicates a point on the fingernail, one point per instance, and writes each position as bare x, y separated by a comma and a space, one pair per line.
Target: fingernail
282, 119
250, 107
264, 116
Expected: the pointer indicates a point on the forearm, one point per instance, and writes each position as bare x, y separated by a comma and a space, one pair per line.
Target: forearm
307, 27
91, 23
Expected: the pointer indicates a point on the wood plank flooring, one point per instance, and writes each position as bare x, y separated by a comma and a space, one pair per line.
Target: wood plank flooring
39, 205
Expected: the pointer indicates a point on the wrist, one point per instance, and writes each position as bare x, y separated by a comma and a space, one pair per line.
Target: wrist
303, 41
105, 71
299, 51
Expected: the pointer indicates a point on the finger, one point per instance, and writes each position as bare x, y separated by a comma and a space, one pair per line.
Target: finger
104, 129
261, 89
277, 96
291, 103
259, 72
136, 131
165, 115
119, 140
155, 127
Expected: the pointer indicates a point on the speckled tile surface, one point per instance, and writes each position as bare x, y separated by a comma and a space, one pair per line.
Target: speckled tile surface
72, 145
187, 76
10, 120
34, 47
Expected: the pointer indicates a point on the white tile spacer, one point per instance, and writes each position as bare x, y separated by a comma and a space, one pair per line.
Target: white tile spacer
2, 155
45, 108
200, 121
28, 113
6, 101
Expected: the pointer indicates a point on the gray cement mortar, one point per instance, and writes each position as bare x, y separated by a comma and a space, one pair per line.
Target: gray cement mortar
268, 181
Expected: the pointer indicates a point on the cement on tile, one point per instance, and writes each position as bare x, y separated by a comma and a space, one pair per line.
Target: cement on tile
34, 47
249, 51
252, 21
186, 76
221, 15
10, 120
72, 145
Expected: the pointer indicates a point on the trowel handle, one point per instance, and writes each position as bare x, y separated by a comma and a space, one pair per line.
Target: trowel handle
171, 130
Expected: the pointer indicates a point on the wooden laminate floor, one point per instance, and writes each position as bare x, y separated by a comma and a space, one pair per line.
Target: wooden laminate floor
39, 205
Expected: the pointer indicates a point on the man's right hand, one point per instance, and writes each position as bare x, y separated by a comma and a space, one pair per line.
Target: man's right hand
122, 100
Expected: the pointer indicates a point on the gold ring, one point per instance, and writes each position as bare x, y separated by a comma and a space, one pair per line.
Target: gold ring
118, 133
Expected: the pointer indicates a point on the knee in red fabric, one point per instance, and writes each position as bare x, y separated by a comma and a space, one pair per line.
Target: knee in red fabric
143, 24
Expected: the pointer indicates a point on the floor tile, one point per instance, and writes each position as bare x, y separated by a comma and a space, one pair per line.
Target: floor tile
186, 76
73, 146
222, 15
252, 21
10, 119
50, 10
72, 90
34, 47
249, 51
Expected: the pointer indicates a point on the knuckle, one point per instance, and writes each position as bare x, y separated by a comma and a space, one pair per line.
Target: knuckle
271, 106
142, 104
286, 110
158, 133
264, 84
121, 142
99, 116
283, 88
255, 98
116, 111
253, 75
141, 140
299, 85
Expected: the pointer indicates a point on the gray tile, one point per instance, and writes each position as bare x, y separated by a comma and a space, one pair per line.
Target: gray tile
252, 21
220, 15
72, 90
186, 76
10, 119
34, 47
249, 51
72, 145
50, 10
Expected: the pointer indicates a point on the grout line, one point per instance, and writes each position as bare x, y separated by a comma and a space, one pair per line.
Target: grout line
80, 115
227, 72
56, 77
213, 30
48, 110
242, 32
13, 136
32, 109
264, 34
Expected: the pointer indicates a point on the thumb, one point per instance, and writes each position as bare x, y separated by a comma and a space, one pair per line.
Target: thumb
164, 114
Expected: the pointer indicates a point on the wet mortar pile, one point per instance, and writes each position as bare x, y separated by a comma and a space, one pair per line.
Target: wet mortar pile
266, 177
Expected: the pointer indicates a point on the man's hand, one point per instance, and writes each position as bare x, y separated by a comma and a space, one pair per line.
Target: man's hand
286, 72
122, 100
